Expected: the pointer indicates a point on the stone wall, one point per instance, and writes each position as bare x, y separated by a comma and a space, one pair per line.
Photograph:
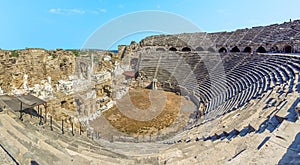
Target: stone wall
38, 64
283, 38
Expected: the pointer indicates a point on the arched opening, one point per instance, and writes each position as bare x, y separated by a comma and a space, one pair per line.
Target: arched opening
186, 49
199, 49
63, 104
222, 50
235, 49
261, 49
247, 50
287, 49
274, 49
160, 49
173, 49
211, 49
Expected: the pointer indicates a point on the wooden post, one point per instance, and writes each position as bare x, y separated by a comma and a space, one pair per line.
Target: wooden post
51, 123
21, 113
62, 126
21, 116
72, 128
30, 112
41, 115
45, 105
92, 135
38, 110
79, 128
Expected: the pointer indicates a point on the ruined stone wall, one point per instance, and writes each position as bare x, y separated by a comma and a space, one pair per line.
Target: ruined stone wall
283, 37
38, 64
62, 106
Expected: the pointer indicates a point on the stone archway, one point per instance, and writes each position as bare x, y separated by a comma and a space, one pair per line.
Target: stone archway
222, 50
186, 49
172, 49
211, 49
287, 49
160, 49
235, 49
261, 49
274, 49
247, 50
199, 49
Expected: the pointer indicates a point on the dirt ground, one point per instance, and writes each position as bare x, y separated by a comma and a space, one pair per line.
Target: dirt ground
140, 99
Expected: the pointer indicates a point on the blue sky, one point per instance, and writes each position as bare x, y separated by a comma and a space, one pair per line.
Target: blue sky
68, 24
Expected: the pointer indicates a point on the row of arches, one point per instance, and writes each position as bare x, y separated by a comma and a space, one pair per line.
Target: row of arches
222, 50
261, 49
187, 49
248, 49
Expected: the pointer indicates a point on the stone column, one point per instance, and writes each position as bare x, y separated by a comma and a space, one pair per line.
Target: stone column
154, 84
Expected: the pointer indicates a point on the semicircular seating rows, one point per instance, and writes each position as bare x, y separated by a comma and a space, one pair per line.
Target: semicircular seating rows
230, 82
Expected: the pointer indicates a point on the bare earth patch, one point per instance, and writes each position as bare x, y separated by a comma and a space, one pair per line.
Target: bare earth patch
140, 99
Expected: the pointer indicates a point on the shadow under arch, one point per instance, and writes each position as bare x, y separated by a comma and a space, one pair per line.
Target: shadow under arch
172, 49
235, 50
261, 49
222, 50
247, 49
186, 49
287, 49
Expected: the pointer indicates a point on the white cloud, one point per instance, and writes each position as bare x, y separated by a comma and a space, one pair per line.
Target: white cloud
98, 11
103, 10
66, 11
76, 11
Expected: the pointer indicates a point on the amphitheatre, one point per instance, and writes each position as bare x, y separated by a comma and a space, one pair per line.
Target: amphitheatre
192, 98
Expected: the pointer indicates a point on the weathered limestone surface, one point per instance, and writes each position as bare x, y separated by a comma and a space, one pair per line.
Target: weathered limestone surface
38, 64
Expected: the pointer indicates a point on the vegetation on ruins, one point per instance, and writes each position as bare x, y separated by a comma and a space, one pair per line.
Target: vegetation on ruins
54, 55
76, 53
14, 53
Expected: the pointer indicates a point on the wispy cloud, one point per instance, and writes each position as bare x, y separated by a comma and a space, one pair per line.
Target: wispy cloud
97, 11
103, 10
66, 11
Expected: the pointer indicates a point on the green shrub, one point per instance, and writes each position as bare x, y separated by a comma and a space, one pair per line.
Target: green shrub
76, 53
54, 55
14, 53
